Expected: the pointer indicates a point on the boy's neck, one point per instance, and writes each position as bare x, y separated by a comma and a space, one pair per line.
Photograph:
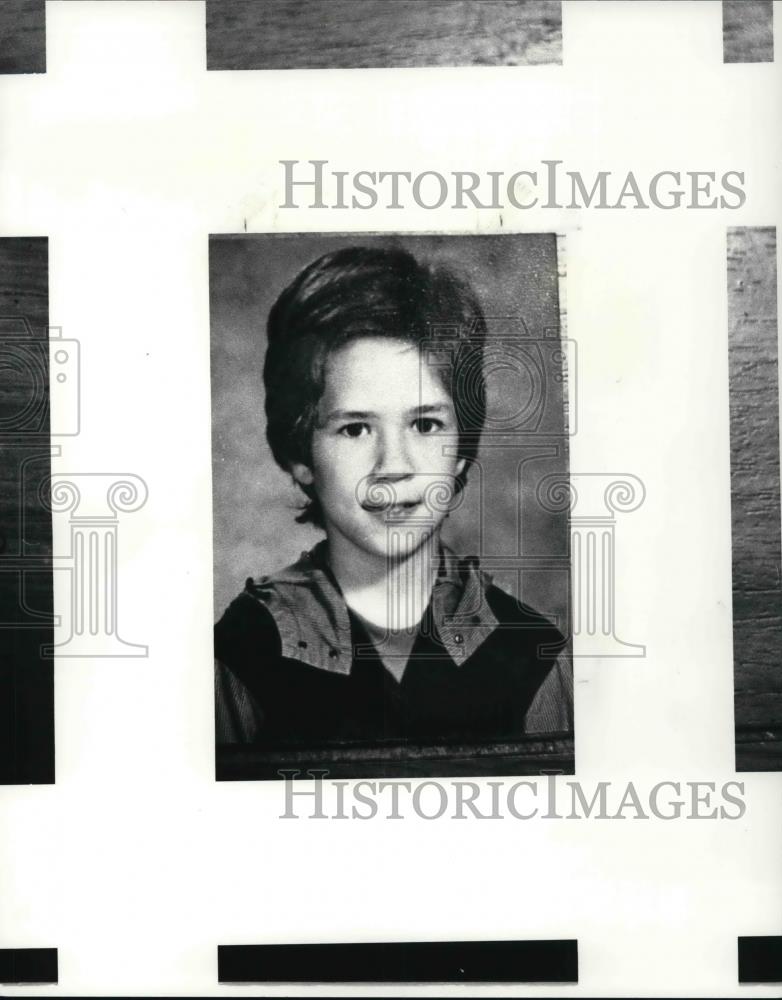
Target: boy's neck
389, 593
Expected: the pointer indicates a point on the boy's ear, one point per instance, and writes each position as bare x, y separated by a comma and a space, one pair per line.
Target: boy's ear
302, 474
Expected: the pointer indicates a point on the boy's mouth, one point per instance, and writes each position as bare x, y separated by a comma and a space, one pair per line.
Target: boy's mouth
391, 510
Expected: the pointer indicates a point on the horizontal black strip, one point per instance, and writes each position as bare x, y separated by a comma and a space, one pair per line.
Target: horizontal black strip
401, 962
760, 959
285, 34
28, 965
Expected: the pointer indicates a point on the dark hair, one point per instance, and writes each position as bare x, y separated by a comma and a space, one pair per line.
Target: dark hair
360, 292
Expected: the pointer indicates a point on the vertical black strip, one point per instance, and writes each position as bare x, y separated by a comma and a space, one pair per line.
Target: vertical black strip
19, 966
401, 962
747, 31
760, 959
23, 36
26, 583
755, 496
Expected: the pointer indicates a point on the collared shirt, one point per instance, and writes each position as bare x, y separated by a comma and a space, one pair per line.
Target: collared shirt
314, 624
519, 666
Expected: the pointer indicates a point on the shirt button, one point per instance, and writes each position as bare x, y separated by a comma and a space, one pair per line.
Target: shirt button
333, 654
458, 638
302, 644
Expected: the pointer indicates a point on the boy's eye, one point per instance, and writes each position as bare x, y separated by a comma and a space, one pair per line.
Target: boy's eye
427, 425
354, 430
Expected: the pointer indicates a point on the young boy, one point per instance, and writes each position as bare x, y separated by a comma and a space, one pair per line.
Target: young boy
375, 401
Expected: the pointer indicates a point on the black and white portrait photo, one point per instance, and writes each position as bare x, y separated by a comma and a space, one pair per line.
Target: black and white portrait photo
391, 586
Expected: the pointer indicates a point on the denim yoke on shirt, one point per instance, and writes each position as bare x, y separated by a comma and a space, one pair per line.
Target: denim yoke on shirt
312, 626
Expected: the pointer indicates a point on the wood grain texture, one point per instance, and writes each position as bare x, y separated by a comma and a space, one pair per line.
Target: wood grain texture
291, 34
534, 755
755, 484
22, 36
747, 31
759, 748
26, 599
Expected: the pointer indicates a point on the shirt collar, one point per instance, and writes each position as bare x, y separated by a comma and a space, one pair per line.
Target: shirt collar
313, 621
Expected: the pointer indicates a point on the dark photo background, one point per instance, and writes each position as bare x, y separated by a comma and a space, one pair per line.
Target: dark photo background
26, 584
522, 544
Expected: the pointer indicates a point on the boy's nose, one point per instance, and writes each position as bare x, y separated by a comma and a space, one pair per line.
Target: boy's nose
392, 461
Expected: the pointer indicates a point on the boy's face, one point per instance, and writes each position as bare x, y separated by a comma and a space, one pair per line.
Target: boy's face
379, 463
